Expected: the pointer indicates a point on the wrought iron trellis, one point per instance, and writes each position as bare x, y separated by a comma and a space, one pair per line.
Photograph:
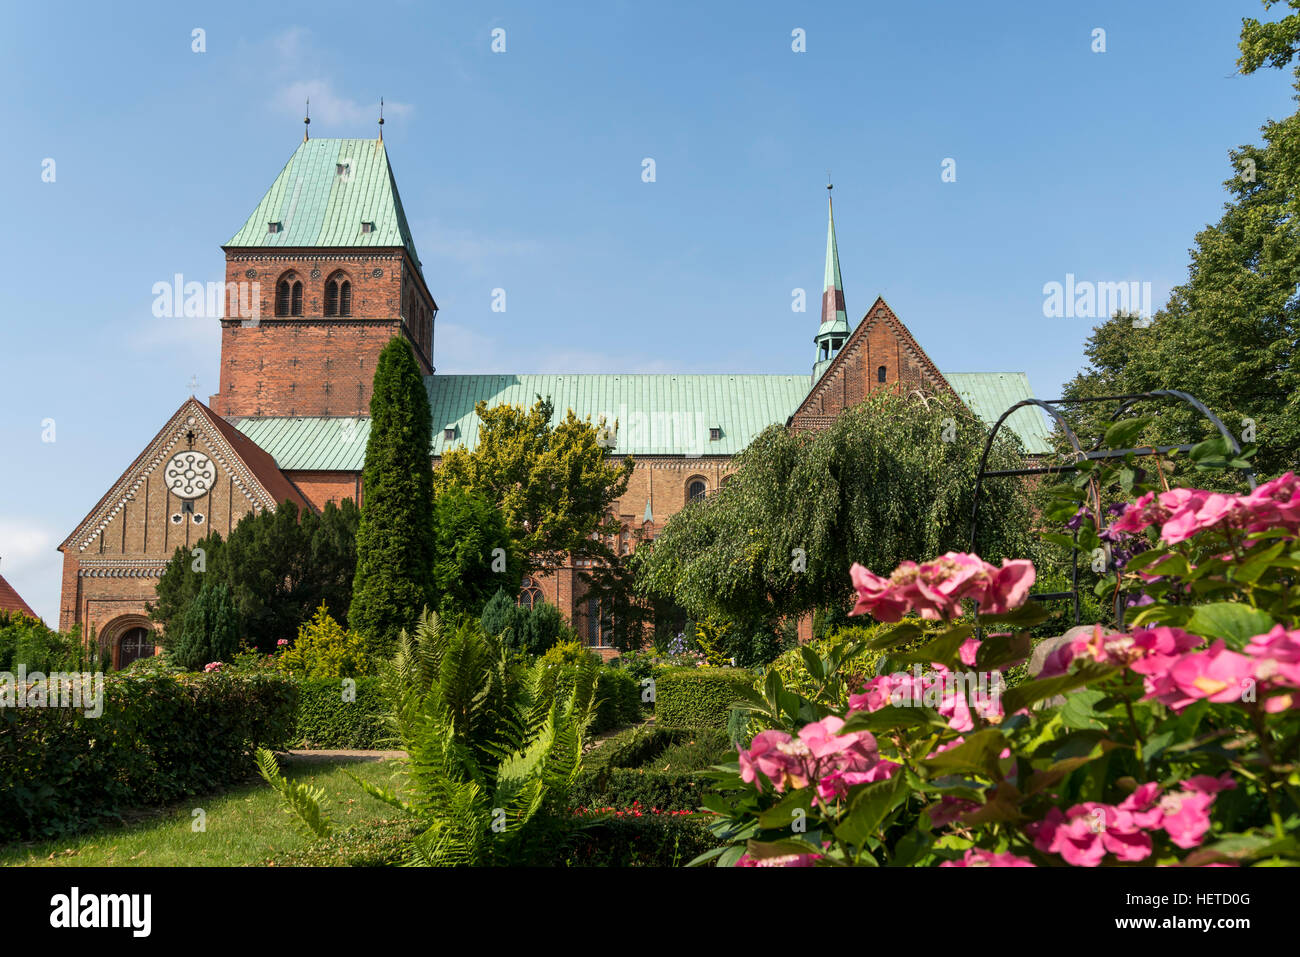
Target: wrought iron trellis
1095, 452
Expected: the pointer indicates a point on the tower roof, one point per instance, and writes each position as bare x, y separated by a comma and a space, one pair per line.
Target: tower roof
324, 195
834, 316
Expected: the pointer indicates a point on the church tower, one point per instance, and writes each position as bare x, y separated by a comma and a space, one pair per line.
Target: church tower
834, 328
319, 278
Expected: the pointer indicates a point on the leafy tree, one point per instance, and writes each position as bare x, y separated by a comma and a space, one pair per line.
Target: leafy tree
554, 483
878, 486
1227, 335
209, 631
467, 531
395, 541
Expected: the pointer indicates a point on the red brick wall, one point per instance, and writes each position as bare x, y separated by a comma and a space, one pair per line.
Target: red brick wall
880, 340
321, 487
315, 364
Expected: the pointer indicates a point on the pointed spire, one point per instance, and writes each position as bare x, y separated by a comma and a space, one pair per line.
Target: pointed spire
834, 328
833, 287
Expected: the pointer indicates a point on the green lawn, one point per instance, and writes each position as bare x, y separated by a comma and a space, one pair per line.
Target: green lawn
245, 825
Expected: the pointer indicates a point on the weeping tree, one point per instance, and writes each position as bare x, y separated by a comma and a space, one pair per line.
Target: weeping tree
889, 480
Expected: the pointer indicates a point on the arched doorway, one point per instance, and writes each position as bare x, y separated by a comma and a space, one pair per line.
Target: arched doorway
126, 639
135, 643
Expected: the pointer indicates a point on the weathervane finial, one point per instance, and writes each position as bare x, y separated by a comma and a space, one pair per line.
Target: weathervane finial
381, 119
306, 120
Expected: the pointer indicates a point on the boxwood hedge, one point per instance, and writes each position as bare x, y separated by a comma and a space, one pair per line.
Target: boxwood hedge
159, 738
699, 697
325, 720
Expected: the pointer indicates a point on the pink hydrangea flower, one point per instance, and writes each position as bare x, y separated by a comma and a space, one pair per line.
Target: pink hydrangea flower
977, 857
936, 589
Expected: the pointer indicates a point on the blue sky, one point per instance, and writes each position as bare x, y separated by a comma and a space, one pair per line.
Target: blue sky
522, 170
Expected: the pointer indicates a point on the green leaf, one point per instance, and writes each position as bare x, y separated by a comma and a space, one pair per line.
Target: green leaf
900, 633
1236, 624
782, 814
998, 651
979, 752
1032, 691
1028, 615
868, 805
891, 719
1124, 434
1078, 710
942, 649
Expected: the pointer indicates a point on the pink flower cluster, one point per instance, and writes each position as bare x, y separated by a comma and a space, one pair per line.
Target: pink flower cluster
1087, 832
835, 762
935, 589
1182, 512
212, 666
977, 857
785, 860
1176, 672
940, 688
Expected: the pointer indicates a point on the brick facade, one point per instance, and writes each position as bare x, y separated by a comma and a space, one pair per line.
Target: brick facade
314, 364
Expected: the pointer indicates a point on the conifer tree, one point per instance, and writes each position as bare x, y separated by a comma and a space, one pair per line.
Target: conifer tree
395, 541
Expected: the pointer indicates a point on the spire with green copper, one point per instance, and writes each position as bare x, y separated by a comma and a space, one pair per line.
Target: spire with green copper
834, 328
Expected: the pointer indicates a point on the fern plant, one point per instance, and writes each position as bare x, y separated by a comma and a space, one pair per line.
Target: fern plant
491, 753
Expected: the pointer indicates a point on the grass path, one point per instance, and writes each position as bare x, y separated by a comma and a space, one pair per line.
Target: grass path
245, 825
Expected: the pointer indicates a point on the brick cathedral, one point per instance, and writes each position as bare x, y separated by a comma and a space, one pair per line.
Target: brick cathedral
337, 275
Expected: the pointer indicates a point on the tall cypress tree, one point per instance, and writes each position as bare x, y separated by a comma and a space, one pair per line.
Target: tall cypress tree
395, 542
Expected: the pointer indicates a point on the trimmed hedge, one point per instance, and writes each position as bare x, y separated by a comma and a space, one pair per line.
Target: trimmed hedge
619, 700
623, 787
699, 697
160, 738
651, 840
324, 720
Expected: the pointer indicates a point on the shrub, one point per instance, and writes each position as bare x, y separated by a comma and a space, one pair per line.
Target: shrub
618, 700
533, 631
624, 787
209, 631
160, 738
699, 697
647, 839
27, 641
323, 719
324, 649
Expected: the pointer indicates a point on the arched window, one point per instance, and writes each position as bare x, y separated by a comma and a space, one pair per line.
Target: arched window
880, 374
338, 295
695, 490
529, 594
133, 645
288, 295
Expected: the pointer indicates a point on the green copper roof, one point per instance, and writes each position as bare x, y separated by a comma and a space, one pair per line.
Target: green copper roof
311, 443
657, 414
989, 394
325, 192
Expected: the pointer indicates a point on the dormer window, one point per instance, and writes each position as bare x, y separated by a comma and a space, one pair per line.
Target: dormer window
715, 433
343, 169
449, 434
367, 227
275, 227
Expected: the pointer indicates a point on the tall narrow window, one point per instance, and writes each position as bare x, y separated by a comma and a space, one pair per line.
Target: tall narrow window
332, 298
295, 306
282, 298
880, 374
345, 298
695, 491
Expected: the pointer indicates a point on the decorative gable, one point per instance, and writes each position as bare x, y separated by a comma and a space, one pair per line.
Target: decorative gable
198, 474
879, 354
